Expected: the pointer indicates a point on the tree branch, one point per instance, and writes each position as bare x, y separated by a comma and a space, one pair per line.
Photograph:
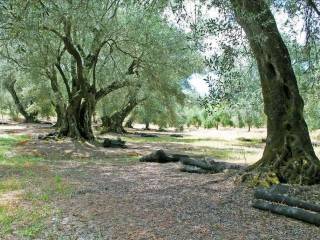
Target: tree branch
112, 87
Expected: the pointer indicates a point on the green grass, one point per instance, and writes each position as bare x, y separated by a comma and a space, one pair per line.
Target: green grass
9, 184
25, 222
38, 189
167, 139
7, 157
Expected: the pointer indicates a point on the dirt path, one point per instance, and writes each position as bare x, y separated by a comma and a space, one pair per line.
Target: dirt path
123, 199
153, 201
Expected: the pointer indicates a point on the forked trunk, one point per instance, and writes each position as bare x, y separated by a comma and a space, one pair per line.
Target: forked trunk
288, 153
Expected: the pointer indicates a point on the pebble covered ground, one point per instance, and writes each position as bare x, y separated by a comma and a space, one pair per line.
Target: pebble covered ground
131, 200
157, 201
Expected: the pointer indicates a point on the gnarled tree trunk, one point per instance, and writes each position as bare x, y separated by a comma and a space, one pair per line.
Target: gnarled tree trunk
114, 123
78, 118
288, 152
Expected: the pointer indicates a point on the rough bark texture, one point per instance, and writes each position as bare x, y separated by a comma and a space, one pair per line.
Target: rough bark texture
83, 94
78, 122
288, 152
29, 117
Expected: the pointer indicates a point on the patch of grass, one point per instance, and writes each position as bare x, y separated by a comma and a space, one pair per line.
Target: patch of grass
40, 188
22, 222
119, 160
9, 184
167, 139
8, 157
251, 142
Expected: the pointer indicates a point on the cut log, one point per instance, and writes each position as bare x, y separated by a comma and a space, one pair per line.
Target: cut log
113, 143
148, 135
292, 212
205, 166
49, 136
176, 135
290, 201
161, 156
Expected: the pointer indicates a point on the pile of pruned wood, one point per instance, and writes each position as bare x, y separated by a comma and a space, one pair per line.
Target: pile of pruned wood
188, 164
277, 200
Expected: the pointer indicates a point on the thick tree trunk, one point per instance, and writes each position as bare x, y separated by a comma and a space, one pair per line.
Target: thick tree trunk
29, 117
78, 119
288, 152
147, 126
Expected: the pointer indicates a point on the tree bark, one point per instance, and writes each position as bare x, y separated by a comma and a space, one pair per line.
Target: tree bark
78, 122
29, 117
288, 152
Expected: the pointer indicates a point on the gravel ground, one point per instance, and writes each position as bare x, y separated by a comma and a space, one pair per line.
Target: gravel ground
157, 201
148, 201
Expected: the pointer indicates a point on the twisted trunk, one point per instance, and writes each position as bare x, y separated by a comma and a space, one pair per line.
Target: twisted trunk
288, 152
114, 123
78, 118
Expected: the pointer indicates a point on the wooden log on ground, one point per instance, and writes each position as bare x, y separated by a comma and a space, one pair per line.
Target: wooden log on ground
113, 143
291, 212
176, 135
161, 156
50, 136
148, 135
205, 166
290, 201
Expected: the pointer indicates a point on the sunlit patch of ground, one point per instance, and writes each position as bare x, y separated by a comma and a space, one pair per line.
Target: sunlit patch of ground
73, 190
